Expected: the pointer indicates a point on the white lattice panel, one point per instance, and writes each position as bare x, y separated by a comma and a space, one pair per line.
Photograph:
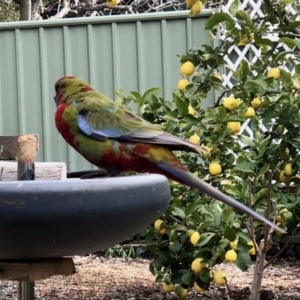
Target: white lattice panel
253, 7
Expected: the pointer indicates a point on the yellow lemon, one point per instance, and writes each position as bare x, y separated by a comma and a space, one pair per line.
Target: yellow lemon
168, 288
274, 72
112, 3
191, 110
230, 103
197, 7
208, 149
288, 171
182, 294
157, 224
245, 39
278, 219
252, 251
206, 56
182, 84
196, 173
219, 277
250, 113
197, 266
195, 139
234, 126
230, 256
190, 3
187, 68
256, 103
215, 169
198, 289
217, 75
285, 179
285, 153
195, 237
163, 231
233, 245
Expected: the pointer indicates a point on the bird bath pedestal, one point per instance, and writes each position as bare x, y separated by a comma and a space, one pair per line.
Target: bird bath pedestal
44, 223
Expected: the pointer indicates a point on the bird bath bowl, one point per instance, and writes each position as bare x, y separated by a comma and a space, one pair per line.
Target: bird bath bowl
55, 218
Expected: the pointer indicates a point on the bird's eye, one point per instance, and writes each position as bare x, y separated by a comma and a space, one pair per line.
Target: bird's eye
57, 85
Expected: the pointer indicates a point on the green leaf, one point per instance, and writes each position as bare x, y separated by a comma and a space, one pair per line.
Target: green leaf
235, 118
242, 244
296, 81
218, 219
262, 193
157, 263
215, 257
205, 238
178, 212
235, 6
246, 140
242, 71
192, 207
245, 167
243, 260
228, 214
288, 2
243, 15
171, 115
293, 25
155, 91
182, 107
261, 83
190, 119
230, 234
264, 169
175, 247
281, 56
288, 41
204, 275
137, 96
140, 250
223, 243
263, 42
187, 278
217, 18
177, 276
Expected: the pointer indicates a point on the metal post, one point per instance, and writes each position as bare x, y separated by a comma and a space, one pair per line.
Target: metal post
26, 158
25, 290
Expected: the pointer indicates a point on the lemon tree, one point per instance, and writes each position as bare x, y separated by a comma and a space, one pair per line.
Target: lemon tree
199, 232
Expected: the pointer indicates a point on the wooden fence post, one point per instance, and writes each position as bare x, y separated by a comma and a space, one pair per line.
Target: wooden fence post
27, 145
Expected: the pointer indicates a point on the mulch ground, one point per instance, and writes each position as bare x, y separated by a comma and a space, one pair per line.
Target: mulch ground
100, 278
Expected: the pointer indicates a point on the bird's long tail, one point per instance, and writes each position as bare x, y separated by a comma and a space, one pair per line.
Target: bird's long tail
193, 181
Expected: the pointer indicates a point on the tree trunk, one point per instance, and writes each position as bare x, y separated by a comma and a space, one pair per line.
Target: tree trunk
25, 10
35, 4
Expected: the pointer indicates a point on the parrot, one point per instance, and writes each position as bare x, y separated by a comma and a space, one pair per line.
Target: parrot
113, 137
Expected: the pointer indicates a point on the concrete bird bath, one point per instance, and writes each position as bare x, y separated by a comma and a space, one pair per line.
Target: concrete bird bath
43, 221
55, 218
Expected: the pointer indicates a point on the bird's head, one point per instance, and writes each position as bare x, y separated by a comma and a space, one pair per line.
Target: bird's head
68, 88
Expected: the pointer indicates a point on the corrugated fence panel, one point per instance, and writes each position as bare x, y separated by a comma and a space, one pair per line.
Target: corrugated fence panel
133, 52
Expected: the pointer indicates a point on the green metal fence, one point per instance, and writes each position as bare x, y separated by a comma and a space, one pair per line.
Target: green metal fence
132, 52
